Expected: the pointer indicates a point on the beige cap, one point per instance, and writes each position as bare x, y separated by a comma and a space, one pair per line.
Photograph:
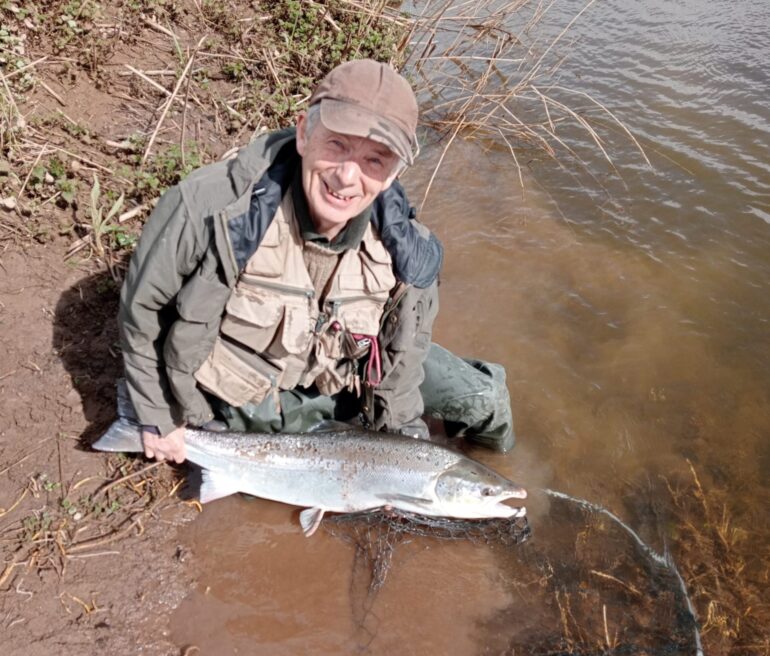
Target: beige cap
365, 98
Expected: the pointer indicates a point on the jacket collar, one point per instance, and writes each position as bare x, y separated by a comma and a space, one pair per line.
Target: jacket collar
253, 160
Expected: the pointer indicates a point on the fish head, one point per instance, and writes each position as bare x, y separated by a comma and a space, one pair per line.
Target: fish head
470, 490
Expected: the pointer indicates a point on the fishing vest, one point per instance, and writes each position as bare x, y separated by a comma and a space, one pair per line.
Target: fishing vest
276, 334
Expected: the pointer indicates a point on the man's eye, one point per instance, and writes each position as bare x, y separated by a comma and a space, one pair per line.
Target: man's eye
375, 161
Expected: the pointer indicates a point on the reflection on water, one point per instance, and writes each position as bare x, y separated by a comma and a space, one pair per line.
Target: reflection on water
273, 591
631, 311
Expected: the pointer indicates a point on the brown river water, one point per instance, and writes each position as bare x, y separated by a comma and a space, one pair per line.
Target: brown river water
631, 309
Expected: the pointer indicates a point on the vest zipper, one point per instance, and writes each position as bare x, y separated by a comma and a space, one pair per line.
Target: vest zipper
335, 305
297, 291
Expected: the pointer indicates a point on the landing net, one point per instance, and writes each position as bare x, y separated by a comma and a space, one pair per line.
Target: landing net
376, 533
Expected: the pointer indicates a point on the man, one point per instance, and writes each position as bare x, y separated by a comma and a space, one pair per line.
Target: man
292, 285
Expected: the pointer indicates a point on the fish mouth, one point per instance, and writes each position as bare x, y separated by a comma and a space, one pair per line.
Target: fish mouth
515, 492
510, 502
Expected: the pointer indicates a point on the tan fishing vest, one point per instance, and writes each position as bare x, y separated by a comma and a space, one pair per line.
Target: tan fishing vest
275, 333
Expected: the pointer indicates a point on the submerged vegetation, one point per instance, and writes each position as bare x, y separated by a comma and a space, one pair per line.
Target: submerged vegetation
103, 105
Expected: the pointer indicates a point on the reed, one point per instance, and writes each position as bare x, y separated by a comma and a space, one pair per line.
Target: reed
484, 74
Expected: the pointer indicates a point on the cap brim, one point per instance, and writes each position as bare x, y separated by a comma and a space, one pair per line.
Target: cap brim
346, 118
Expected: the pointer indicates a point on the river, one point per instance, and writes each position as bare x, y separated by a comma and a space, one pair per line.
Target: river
630, 305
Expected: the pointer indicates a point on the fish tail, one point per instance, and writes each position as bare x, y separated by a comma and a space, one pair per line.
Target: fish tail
123, 435
125, 407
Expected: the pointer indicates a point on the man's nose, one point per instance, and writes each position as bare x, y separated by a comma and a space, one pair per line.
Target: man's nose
348, 171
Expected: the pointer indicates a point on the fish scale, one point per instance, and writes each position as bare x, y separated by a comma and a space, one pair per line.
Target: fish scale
338, 469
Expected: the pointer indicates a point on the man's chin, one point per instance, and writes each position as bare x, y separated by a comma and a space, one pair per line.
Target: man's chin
327, 223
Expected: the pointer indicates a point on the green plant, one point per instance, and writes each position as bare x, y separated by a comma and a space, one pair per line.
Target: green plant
164, 170
235, 71
100, 223
35, 523
13, 57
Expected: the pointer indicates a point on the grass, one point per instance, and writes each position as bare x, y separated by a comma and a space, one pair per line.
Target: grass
228, 71
77, 519
485, 77
720, 558
191, 80
233, 69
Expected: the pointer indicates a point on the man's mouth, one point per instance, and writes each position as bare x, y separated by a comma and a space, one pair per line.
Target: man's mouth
335, 195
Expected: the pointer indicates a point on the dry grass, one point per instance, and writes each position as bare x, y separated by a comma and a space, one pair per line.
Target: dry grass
616, 596
81, 518
184, 81
484, 76
726, 572
226, 71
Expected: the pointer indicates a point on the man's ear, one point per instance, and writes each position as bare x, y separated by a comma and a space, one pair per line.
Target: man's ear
301, 133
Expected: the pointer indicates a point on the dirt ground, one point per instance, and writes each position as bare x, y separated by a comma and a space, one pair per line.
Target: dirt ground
59, 366
89, 559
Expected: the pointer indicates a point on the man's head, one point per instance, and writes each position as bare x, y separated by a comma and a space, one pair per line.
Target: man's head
355, 139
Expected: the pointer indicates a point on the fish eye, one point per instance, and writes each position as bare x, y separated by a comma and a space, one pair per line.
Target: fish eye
488, 491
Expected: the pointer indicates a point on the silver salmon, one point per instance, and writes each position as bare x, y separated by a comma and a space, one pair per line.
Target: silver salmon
338, 469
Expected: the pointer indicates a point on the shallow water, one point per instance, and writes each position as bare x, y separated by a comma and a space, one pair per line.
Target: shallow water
631, 311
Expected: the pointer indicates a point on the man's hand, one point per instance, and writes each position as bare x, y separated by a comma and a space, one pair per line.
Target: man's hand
170, 447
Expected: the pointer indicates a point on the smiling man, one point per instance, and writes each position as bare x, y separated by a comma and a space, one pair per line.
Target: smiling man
292, 285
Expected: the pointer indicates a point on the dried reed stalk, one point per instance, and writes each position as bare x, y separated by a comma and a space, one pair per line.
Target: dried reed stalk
483, 76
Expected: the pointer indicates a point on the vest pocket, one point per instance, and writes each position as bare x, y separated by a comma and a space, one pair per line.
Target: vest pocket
377, 268
237, 376
297, 331
252, 317
362, 316
332, 379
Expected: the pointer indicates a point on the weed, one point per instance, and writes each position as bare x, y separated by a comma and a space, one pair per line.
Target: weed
42, 481
52, 180
106, 286
100, 223
163, 170
35, 524
13, 57
235, 71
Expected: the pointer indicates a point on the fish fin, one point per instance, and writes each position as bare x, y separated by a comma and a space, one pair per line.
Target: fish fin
123, 435
125, 407
215, 486
310, 520
393, 499
328, 425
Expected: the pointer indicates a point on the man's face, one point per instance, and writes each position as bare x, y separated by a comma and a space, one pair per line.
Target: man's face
341, 174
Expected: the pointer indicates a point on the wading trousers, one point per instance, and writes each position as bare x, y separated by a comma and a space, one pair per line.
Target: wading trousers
470, 396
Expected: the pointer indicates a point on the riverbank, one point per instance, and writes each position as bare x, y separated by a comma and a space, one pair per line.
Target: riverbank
131, 95
103, 106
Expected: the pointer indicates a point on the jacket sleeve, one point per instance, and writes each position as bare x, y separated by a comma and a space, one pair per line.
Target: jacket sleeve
169, 250
417, 254
396, 404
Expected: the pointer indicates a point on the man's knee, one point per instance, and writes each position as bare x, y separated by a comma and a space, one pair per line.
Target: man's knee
471, 397
491, 420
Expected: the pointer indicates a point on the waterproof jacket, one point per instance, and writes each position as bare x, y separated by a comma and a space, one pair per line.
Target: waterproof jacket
192, 250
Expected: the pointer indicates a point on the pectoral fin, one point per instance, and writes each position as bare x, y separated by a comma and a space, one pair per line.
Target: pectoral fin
215, 486
398, 500
310, 520
329, 425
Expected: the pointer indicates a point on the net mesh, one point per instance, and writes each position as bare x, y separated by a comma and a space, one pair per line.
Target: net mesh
376, 533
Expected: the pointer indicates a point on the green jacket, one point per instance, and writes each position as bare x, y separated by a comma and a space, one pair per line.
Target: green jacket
192, 248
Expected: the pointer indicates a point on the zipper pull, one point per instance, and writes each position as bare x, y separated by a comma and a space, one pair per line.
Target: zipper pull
322, 319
